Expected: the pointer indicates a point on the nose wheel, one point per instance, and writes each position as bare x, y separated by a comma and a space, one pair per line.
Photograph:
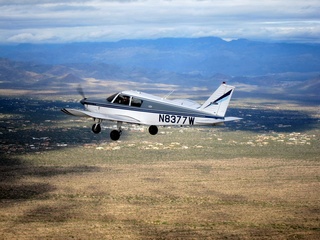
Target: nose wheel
96, 128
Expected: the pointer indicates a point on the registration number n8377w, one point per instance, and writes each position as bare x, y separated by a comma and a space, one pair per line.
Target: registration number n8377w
177, 119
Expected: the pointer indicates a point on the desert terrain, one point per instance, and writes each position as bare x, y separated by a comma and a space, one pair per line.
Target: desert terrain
253, 179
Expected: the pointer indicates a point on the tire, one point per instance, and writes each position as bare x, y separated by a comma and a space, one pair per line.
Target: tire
96, 128
115, 135
153, 130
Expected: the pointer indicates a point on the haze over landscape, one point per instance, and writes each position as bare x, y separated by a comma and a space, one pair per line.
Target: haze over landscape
277, 70
266, 47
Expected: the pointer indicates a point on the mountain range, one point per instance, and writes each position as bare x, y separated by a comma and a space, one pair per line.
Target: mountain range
255, 67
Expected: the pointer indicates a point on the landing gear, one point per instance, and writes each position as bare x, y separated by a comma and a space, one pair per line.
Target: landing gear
96, 128
153, 130
115, 135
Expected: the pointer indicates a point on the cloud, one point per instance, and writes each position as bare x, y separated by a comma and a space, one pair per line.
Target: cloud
97, 20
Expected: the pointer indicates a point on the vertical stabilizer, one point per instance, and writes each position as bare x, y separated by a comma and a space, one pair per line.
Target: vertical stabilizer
218, 102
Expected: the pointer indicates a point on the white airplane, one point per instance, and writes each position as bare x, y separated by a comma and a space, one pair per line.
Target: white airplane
141, 108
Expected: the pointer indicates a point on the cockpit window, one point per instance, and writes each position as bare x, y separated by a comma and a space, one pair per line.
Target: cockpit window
125, 100
110, 99
135, 102
122, 99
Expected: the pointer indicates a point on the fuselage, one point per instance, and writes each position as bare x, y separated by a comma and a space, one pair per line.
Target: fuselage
142, 108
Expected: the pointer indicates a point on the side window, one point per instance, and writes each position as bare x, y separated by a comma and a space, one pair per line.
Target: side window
135, 102
122, 99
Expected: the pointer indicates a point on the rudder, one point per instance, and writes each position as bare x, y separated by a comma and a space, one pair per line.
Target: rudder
218, 102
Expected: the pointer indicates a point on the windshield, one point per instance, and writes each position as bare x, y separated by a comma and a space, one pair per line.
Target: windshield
125, 100
110, 99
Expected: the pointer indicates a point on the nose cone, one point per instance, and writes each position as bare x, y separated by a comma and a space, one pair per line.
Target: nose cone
83, 101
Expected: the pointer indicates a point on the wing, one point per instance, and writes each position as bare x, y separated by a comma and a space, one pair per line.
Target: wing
109, 117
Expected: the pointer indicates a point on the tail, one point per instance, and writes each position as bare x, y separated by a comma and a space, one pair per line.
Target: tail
218, 102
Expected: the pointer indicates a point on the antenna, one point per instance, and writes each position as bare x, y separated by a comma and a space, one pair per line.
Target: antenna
165, 97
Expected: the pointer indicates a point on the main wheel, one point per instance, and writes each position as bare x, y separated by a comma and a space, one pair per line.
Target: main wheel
96, 128
115, 135
153, 130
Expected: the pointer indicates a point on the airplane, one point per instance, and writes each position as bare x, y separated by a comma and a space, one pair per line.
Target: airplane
140, 108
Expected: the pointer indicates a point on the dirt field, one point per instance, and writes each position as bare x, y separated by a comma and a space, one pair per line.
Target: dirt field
156, 189
59, 181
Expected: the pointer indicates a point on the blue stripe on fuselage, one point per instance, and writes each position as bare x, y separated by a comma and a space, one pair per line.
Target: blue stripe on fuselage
137, 109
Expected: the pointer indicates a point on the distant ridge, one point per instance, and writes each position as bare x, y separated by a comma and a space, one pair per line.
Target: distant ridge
104, 78
205, 56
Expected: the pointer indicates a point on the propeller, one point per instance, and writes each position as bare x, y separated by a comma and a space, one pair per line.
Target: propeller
81, 92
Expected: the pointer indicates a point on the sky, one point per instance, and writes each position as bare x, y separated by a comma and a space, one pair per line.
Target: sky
57, 21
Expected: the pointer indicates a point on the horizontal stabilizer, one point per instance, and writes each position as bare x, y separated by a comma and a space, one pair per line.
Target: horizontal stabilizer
229, 119
217, 121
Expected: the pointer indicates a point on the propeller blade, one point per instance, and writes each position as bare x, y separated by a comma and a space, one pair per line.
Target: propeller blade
80, 91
